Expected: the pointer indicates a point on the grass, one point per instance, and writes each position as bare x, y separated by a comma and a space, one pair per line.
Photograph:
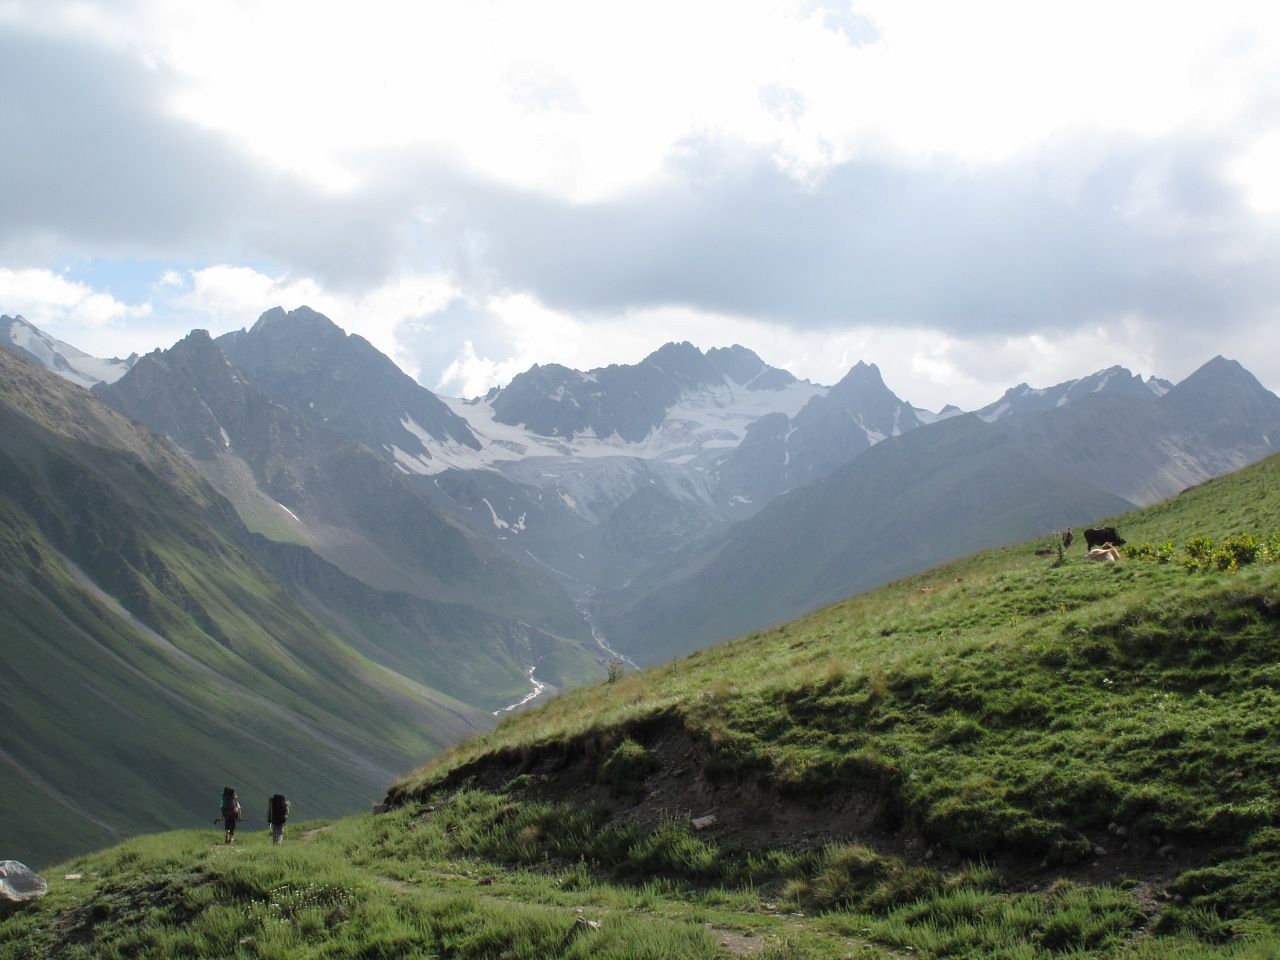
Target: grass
1012, 714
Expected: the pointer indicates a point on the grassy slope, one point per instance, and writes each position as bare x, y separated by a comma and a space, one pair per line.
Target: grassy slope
117, 722
999, 706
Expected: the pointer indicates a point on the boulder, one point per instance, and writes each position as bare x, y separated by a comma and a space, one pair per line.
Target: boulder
19, 883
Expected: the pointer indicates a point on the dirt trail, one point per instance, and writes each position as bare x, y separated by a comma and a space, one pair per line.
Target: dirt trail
316, 831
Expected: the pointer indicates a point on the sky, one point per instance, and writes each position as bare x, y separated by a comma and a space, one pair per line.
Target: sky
969, 195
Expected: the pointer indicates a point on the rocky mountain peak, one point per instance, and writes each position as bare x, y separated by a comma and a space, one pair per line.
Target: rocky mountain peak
197, 347
300, 319
684, 363
305, 361
736, 359
863, 389
1226, 391
1115, 380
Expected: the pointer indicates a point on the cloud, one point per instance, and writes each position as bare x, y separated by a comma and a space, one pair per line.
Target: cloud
1083, 232
99, 166
944, 183
46, 297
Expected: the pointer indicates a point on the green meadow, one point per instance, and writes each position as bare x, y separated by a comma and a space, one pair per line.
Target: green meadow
1017, 755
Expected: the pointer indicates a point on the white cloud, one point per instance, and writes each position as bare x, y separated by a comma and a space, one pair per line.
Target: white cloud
585, 99
470, 375
402, 113
67, 309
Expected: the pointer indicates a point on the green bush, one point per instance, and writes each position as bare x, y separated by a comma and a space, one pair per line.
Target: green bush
628, 765
857, 877
1235, 552
1199, 553
1159, 552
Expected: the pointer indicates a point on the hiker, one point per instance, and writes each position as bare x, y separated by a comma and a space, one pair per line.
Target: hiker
230, 812
277, 814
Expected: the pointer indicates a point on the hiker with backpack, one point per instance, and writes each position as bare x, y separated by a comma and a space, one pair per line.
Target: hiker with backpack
277, 814
230, 810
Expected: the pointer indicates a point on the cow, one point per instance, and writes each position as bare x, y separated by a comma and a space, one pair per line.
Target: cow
1097, 536
1103, 554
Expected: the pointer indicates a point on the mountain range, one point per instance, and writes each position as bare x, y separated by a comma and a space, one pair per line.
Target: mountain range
283, 513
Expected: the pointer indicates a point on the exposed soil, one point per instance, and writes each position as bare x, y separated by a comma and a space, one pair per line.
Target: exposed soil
752, 813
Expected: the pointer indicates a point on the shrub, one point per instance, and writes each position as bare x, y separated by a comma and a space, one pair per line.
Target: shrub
1199, 553
858, 877
1159, 552
1235, 552
628, 765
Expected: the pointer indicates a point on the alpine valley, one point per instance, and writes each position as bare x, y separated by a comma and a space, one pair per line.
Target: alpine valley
272, 558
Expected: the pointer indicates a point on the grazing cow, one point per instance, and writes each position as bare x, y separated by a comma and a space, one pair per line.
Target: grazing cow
1097, 536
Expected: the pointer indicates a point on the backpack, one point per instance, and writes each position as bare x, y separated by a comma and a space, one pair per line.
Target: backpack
230, 807
279, 808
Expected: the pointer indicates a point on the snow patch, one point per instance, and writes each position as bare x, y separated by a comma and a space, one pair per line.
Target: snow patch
569, 502
411, 464
286, 510
65, 360
713, 419
226, 440
497, 520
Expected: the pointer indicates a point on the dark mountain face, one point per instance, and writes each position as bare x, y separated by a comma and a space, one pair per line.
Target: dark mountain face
1222, 399
1146, 448
191, 394
627, 400
778, 454
304, 361
1113, 381
292, 478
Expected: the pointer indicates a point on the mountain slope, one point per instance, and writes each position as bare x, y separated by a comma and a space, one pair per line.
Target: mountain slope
148, 657
1008, 757
629, 401
1114, 381
1144, 448
945, 489
778, 454
904, 504
1080, 727
296, 479
304, 361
